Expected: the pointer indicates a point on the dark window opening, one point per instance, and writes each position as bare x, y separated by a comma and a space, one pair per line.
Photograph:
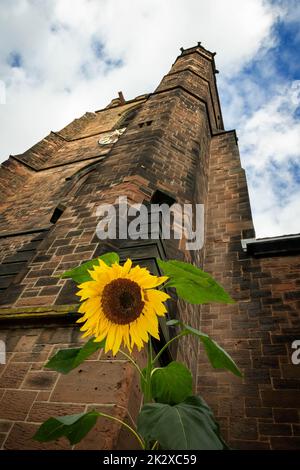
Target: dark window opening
146, 123
159, 197
57, 213
166, 356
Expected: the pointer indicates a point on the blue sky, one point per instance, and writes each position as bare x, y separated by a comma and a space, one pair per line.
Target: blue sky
61, 58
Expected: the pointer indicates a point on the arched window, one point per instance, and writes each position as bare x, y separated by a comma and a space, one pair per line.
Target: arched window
127, 117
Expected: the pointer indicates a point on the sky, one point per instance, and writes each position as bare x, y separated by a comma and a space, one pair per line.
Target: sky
61, 58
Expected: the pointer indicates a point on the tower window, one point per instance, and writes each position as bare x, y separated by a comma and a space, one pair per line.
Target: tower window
127, 117
159, 197
57, 213
147, 123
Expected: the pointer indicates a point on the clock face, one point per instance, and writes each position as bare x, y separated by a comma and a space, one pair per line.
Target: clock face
111, 137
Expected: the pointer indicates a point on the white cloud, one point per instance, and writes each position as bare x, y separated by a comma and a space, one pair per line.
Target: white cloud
270, 152
271, 218
273, 133
54, 38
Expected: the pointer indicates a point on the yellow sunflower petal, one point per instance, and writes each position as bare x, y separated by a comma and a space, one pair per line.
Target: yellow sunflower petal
135, 339
154, 300
152, 322
82, 307
98, 271
117, 270
87, 333
145, 279
111, 337
126, 337
118, 339
127, 266
157, 295
99, 317
140, 329
102, 333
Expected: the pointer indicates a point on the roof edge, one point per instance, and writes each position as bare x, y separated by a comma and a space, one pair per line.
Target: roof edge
272, 246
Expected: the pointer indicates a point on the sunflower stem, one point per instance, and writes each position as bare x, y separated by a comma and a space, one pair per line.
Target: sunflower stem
167, 284
132, 361
147, 393
182, 333
162, 286
154, 445
142, 443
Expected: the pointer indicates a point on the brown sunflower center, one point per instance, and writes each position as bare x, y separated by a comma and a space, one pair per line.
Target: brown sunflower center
122, 301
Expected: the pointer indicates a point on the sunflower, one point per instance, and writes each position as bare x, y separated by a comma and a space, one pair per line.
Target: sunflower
121, 304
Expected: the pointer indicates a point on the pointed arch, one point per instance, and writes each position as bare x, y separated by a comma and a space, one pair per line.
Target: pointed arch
127, 116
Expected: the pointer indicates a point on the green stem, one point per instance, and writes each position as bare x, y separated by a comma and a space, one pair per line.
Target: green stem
182, 333
167, 284
147, 391
132, 361
147, 394
162, 286
154, 445
126, 426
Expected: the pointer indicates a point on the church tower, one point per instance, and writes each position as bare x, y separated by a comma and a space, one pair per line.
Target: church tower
163, 147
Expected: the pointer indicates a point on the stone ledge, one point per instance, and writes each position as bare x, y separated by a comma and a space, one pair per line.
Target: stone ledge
30, 313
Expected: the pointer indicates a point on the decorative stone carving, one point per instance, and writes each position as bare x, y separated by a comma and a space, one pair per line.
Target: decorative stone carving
111, 137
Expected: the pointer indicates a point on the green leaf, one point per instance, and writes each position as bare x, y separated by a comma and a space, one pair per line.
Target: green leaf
80, 273
66, 360
192, 284
172, 322
218, 357
74, 427
171, 384
187, 425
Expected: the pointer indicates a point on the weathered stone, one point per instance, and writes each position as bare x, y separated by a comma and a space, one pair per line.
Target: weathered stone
95, 382
15, 404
